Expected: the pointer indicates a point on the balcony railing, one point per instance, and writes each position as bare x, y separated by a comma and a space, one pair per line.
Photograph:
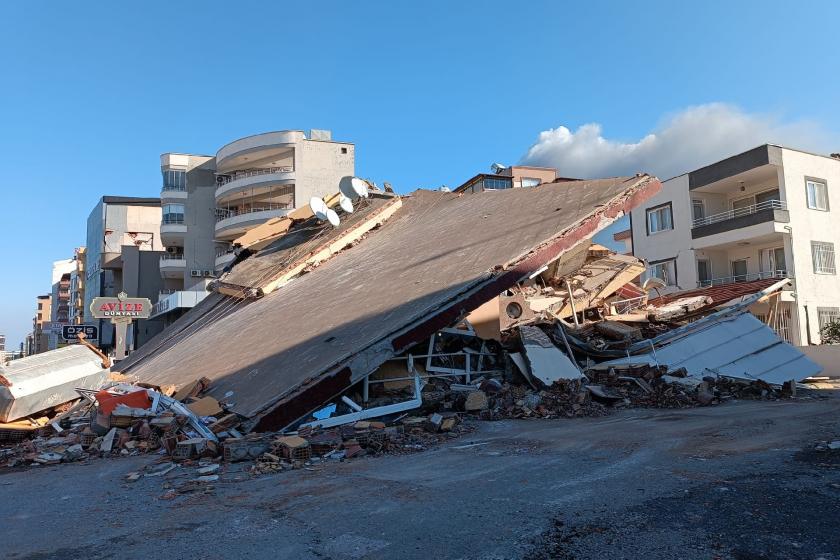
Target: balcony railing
778, 274
227, 178
172, 257
738, 212
225, 213
180, 188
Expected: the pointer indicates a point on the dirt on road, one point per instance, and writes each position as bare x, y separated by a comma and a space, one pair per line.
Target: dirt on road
741, 480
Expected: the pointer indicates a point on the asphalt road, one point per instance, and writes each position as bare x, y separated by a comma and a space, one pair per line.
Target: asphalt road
741, 481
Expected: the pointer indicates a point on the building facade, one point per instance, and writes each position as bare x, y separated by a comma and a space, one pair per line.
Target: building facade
768, 213
77, 288
208, 201
123, 252
38, 341
513, 177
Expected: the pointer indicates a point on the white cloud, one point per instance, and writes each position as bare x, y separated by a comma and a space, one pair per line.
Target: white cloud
687, 140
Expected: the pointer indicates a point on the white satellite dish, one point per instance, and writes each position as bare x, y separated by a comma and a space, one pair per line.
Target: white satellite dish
318, 207
346, 204
333, 217
353, 188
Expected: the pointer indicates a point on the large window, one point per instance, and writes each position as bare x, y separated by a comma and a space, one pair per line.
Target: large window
698, 210
530, 182
664, 270
739, 270
173, 213
659, 218
495, 183
822, 253
174, 180
817, 195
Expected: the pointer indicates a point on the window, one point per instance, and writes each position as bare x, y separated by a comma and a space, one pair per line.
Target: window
822, 254
494, 183
40, 306
704, 272
767, 196
826, 315
742, 206
777, 260
530, 182
659, 219
698, 210
817, 195
173, 213
174, 180
343, 150
664, 270
739, 270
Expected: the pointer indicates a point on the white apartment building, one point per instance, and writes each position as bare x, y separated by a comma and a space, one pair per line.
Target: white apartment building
771, 212
208, 201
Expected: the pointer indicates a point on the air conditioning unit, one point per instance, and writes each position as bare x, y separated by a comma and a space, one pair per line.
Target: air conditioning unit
208, 274
173, 250
195, 273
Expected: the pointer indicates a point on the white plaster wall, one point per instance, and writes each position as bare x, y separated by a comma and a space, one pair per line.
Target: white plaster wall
319, 166
675, 243
812, 290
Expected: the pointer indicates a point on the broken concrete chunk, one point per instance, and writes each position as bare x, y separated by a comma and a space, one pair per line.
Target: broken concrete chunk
477, 400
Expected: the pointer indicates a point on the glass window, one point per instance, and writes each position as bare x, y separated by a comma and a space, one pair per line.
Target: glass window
826, 315
530, 182
174, 180
767, 196
495, 183
739, 270
665, 271
742, 206
173, 213
698, 210
704, 272
660, 219
817, 195
777, 261
822, 254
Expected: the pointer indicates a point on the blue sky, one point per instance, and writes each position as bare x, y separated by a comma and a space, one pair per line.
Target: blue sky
430, 92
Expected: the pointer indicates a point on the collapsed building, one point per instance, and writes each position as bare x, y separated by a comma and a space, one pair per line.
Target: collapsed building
496, 303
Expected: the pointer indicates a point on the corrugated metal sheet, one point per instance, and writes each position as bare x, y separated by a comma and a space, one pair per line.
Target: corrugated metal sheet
738, 346
46, 380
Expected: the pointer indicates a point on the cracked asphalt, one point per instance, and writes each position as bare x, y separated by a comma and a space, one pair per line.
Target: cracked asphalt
736, 481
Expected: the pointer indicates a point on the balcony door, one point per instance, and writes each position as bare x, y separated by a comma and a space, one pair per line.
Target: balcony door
704, 272
767, 196
739, 270
777, 260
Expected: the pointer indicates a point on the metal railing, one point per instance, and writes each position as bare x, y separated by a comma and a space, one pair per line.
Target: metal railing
738, 212
779, 274
224, 213
172, 257
227, 178
628, 305
180, 188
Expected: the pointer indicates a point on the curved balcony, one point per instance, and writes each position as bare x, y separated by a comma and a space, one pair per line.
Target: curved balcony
231, 225
172, 266
241, 182
239, 152
172, 233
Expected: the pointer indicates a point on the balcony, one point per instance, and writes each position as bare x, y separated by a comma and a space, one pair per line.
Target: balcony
231, 223
245, 151
766, 275
170, 301
172, 266
172, 230
175, 193
756, 220
252, 181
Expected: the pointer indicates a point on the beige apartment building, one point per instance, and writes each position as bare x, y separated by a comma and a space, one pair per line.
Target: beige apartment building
513, 177
38, 341
208, 201
766, 214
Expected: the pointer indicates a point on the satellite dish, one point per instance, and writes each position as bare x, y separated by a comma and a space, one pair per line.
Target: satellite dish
318, 207
653, 283
353, 188
346, 204
332, 217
